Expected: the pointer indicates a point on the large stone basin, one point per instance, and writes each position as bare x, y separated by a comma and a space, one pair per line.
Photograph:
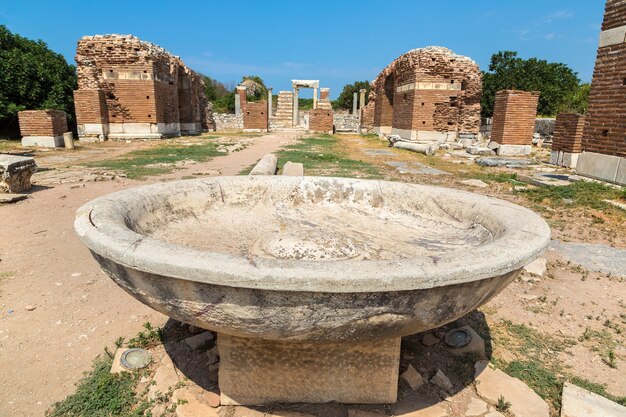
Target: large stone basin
299, 270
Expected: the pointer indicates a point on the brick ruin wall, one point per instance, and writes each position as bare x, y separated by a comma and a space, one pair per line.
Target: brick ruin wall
321, 120
42, 122
428, 89
255, 115
605, 125
568, 132
514, 117
123, 80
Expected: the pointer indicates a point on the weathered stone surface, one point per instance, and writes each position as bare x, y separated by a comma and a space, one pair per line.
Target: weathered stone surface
199, 341
6, 198
165, 378
293, 169
255, 371
475, 183
427, 149
578, 402
477, 150
289, 413
476, 407
213, 355
497, 161
195, 402
442, 381
491, 384
234, 291
420, 408
266, 166
412, 377
15, 173
594, 256
537, 267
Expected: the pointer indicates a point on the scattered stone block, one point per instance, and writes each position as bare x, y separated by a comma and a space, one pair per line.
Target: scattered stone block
442, 381
116, 365
511, 150
412, 377
15, 173
266, 166
199, 341
498, 162
578, 402
491, 384
193, 329
537, 267
213, 355
425, 148
11, 198
475, 346
477, 150
164, 378
293, 169
429, 339
475, 183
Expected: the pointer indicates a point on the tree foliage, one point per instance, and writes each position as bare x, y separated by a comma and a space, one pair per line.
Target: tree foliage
556, 82
32, 77
224, 100
344, 101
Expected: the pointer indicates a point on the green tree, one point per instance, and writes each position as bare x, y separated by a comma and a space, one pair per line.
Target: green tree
578, 101
556, 81
32, 77
344, 101
213, 89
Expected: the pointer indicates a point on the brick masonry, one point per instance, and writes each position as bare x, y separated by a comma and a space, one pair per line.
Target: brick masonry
131, 88
568, 132
255, 116
42, 122
514, 117
321, 120
426, 90
605, 124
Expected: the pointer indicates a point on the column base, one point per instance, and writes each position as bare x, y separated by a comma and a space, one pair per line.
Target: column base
256, 372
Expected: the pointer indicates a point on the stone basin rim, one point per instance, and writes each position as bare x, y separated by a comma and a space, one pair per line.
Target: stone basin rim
105, 233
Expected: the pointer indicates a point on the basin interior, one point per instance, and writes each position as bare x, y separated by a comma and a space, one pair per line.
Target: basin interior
316, 219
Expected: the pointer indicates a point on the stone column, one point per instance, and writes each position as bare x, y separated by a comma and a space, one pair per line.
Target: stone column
295, 107
315, 97
270, 103
240, 98
355, 98
362, 99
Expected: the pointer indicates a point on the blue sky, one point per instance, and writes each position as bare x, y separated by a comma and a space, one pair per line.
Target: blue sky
336, 42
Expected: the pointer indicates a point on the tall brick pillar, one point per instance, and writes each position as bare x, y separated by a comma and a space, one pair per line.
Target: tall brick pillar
513, 123
604, 136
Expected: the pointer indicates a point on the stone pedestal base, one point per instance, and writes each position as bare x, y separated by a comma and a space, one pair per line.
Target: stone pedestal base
255, 371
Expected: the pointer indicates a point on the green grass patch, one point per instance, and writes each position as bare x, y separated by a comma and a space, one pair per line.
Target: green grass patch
579, 193
323, 155
102, 394
149, 337
158, 160
496, 177
544, 381
599, 389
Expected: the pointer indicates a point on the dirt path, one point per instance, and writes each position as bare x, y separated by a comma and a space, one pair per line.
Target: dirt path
78, 310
